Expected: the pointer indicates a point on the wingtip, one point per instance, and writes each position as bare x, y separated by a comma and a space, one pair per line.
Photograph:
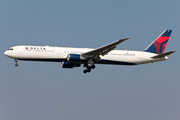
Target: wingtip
125, 38
173, 51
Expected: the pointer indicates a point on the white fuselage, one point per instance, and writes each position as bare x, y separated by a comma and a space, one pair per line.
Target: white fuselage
59, 54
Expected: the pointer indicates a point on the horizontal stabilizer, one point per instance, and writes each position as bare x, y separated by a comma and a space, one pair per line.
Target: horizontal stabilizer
163, 55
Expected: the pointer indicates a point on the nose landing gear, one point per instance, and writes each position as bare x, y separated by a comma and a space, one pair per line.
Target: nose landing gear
16, 62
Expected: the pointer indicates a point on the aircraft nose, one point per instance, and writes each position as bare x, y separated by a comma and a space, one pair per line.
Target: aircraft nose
5, 53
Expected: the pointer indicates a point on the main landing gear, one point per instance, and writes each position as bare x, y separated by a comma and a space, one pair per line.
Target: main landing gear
90, 62
88, 68
16, 62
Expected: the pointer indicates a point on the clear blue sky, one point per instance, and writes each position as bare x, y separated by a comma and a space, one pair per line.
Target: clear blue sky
44, 91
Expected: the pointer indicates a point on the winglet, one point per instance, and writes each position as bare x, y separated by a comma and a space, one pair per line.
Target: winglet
163, 55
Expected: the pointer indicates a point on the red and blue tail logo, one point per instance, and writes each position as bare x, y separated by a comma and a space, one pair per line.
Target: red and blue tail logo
158, 46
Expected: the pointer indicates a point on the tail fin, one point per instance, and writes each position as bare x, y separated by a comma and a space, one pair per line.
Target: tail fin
158, 46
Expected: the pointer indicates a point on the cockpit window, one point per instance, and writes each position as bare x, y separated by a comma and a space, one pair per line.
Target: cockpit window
10, 49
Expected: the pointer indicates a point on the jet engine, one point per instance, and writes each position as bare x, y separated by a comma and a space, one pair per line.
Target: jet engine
75, 58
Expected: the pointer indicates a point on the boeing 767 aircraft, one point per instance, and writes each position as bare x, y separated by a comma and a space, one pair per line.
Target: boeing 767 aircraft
74, 57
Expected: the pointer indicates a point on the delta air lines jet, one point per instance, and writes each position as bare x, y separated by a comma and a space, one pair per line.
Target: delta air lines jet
74, 57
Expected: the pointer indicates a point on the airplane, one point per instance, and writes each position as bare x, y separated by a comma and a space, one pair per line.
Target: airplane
75, 57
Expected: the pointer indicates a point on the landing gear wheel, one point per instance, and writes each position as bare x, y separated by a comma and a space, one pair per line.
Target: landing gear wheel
93, 66
88, 70
16, 64
85, 71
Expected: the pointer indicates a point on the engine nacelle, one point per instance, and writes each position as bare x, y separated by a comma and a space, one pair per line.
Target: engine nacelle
75, 58
69, 65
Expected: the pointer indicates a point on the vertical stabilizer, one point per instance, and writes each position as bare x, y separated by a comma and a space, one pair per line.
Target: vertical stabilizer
158, 46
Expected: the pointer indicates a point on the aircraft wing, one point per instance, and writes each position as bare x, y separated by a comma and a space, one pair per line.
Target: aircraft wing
103, 50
